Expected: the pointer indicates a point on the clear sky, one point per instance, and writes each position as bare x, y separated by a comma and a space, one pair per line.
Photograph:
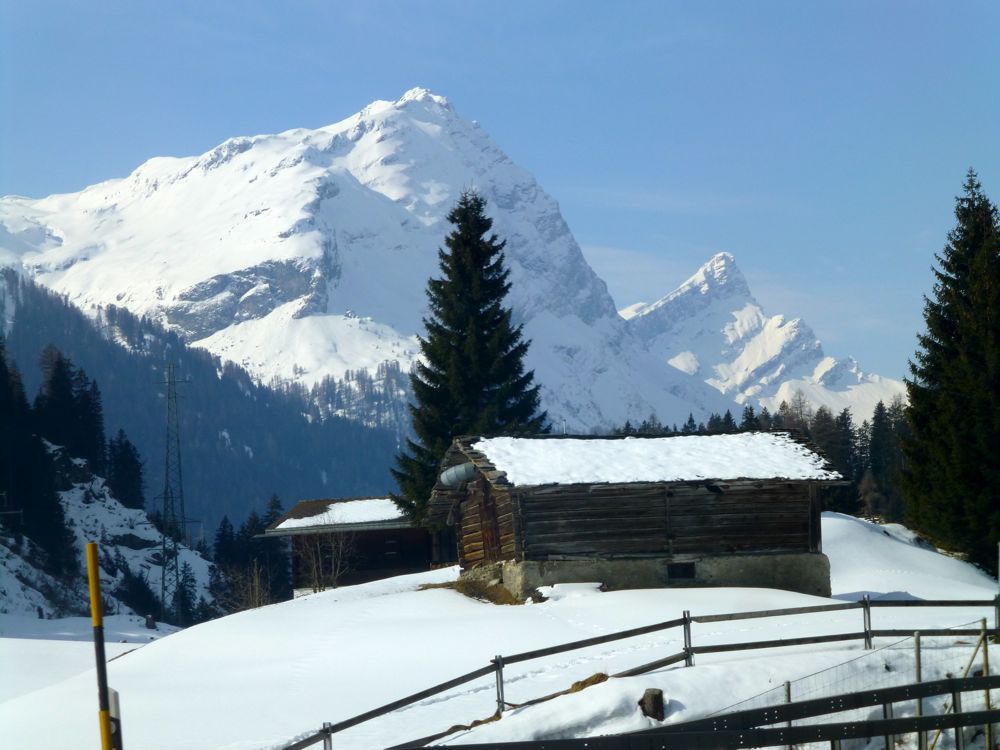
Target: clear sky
820, 143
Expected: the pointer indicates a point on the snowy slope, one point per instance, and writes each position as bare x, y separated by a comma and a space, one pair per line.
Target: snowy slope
306, 253
711, 327
258, 678
126, 537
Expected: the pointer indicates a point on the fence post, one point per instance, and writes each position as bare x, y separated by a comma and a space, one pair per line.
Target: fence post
890, 739
788, 699
327, 736
986, 673
866, 604
956, 706
921, 736
498, 664
688, 656
996, 616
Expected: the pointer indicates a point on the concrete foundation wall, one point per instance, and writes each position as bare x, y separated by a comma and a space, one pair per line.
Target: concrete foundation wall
806, 573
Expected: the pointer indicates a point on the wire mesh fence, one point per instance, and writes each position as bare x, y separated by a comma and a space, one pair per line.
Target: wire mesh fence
912, 659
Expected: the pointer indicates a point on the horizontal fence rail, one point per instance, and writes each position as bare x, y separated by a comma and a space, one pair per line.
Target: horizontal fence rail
745, 728
759, 738
777, 612
687, 655
756, 717
595, 641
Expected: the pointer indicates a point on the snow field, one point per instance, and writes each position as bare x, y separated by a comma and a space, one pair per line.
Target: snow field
260, 678
38, 653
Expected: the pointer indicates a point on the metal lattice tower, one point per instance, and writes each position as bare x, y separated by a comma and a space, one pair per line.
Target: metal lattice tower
172, 509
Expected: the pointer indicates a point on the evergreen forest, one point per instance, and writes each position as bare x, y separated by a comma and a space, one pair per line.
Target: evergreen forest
241, 442
867, 454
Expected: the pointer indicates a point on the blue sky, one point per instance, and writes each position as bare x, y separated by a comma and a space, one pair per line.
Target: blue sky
820, 143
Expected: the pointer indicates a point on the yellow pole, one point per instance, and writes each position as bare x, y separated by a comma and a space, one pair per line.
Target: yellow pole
97, 617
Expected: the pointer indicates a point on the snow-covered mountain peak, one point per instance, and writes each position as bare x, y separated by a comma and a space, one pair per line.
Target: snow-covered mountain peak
306, 253
718, 277
711, 327
420, 94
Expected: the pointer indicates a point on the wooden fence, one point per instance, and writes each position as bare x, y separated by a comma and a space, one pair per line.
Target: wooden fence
754, 728
687, 655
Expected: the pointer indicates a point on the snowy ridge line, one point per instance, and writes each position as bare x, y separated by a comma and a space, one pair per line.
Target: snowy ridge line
690, 650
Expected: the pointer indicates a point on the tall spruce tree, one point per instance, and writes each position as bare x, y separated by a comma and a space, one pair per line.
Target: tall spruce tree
27, 477
952, 479
471, 378
125, 474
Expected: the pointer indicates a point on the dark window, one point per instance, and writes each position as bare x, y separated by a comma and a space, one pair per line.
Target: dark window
680, 570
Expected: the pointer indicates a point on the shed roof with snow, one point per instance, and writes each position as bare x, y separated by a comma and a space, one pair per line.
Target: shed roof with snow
562, 460
685, 497
339, 514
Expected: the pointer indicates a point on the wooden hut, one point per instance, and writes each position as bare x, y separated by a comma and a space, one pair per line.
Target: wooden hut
350, 540
734, 510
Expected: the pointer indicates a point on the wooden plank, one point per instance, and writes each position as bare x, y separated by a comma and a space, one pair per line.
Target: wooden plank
776, 612
897, 633
596, 527
584, 549
623, 532
698, 541
692, 519
742, 529
601, 515
415, 697
777, 643
933, 603
595, 641
649, 667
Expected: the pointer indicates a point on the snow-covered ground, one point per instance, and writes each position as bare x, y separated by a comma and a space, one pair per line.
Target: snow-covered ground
259, 678
38, 653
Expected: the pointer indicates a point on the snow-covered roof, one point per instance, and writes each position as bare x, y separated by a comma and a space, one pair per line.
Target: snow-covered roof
344, 513
553, 460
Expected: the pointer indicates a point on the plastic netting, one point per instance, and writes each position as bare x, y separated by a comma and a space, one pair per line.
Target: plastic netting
888, 665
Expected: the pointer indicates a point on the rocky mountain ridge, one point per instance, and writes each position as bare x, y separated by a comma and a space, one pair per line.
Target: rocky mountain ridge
306, 254
712, 327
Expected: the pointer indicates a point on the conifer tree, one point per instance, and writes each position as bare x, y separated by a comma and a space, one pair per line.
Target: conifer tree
764, 419
125, 474
277, 554
952, 482
27, 477
845, 451
471, 378
54, 404
748, 422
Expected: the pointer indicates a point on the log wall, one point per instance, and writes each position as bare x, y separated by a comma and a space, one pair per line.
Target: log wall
489, 529
657, 520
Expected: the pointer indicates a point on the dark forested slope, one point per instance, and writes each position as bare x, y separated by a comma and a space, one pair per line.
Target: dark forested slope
240, 442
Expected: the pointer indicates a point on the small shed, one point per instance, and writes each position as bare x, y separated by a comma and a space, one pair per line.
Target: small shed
635, 512
342, 541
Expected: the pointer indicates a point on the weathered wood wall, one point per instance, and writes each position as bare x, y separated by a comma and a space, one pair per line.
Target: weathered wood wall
489, 529
640, 520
